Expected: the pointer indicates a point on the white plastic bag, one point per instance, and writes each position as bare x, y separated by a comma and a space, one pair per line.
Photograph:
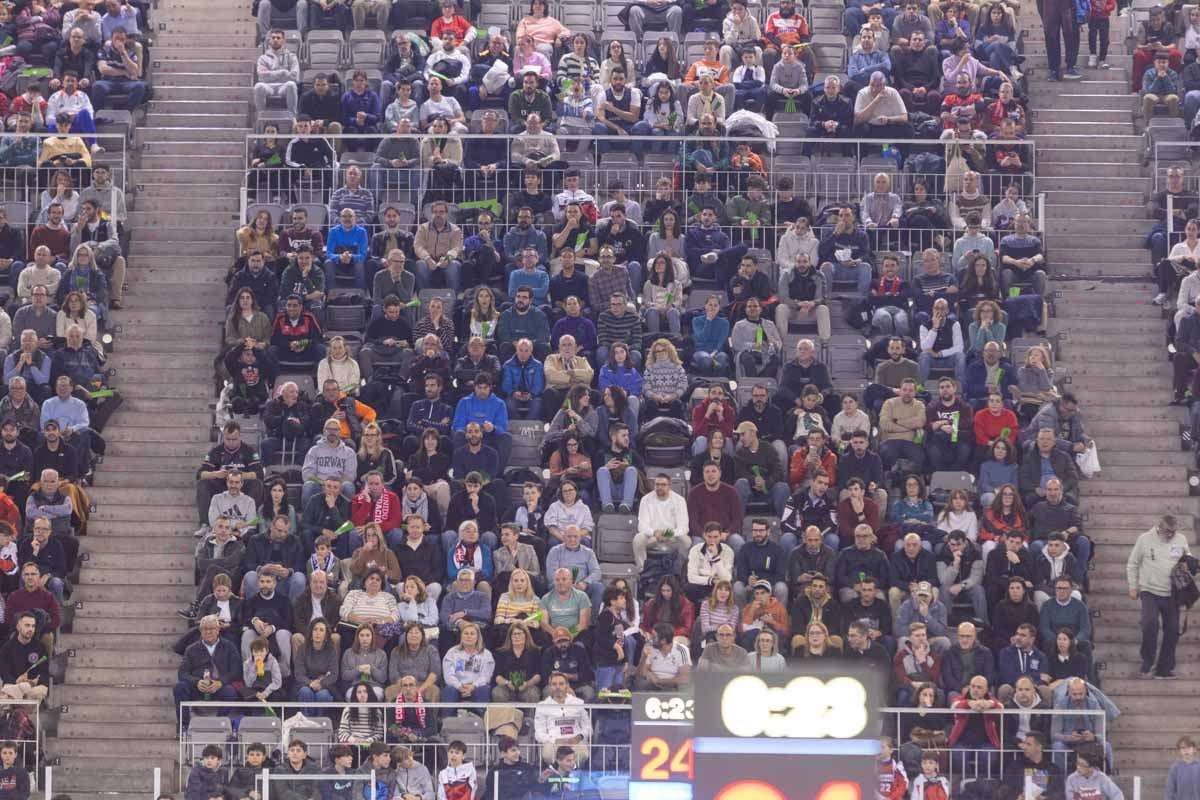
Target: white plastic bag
1088, 461
496, 77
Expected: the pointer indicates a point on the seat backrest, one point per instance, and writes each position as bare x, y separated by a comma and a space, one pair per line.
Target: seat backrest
343, 318
527, 437
274, 209
614, 537
699, 297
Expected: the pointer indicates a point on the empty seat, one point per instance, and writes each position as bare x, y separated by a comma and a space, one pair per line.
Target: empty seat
261, 730
366, 48
342, 318
614, 537
468, 730
527, 436
203, 731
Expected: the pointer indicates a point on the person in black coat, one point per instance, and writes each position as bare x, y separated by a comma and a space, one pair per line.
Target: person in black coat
910, 566
268, 615
420, 555
204, 676
1011, 560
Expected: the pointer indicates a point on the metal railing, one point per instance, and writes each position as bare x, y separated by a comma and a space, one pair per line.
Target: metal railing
824, 173
602, 758
966, 761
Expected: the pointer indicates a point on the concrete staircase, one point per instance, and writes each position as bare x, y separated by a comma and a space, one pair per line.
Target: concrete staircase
1089, 166
117, 721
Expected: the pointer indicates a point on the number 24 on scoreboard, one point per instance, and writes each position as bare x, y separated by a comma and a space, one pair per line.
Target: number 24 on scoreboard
663, 764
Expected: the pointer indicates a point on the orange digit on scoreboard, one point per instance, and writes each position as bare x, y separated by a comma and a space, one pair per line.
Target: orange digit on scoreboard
663, 764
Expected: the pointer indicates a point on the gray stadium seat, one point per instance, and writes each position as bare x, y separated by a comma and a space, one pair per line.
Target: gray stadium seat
614, 537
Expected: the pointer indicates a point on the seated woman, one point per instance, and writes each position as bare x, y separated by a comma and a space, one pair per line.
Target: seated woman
815, 642
995, 40
360, 724
364, 662
567, 511
927, 215
467, 668
546, 31
517, 678
665, 381
986, 326
570, 462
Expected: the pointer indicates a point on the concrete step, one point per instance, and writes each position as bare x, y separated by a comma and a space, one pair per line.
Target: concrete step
1078, 101
202, 160
156, 748
1052, 117
107, 562
127, 546
173, 62
153, 405
169, 195
193, 120
106, 781
105, 659
94, 591
1135, 308
206, 52
197, 106
1063, 154
175, 480
1106, 427
215, 133
1102, 83
168, 276
1081, 210
109, 497
238, 37
174, 90
180, 174
206, 220
1083, 169
1104, 412
1113, 199
128, 625
181, 147
132, 676
1100, 183
1078, 137
1123, 242
129, 512
128, 578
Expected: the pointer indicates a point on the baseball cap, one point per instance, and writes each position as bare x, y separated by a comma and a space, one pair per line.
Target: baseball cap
923, 588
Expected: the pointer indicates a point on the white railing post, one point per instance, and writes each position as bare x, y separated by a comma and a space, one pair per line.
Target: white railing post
1137, 787
157, 783
266, 787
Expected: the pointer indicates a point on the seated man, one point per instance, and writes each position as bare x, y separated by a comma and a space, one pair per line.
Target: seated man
523, 320
278, 73
879, 111
376, 503
120, 72
523, 381
464, 604
709, 562
24, 662
759, 473
438, 247
560, 721
900, 419
49, 555
277, 553
328, 458
663, 515
564, 606
917, 72
1022, 659
268, 615
832, 114
975, 737
48, 502
69, 110
73, 420
490, 412
992, 374
34, 596
296, 333
617, 323
1043, 462
580, 561
1021, 259
209, 669
347, 247
949, 429
1075, 731
756, 343
235, 506
1055, 514
942, 344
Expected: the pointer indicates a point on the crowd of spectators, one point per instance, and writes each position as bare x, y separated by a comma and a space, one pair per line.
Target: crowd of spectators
375, 526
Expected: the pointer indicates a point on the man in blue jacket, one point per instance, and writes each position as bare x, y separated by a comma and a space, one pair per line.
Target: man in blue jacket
993, 371
708, 252
346, 251
523, 381
1023, 659
490, 412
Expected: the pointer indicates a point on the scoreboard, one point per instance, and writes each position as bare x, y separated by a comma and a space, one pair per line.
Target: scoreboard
809, 734
662, 765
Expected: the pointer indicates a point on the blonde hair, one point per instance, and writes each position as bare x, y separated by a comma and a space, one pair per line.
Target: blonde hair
672, 353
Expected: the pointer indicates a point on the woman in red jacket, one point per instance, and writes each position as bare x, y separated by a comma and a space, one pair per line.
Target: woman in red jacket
1005, 514
671, 606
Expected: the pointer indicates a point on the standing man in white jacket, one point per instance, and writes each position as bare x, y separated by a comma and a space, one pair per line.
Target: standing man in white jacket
1154, 556
658, 513
561, 719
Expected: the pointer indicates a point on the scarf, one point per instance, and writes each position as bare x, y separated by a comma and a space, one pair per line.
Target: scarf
329, 565
468, 555
381, 508
418, 710
420, 507
889, 288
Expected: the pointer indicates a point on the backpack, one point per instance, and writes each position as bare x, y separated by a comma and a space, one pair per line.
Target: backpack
658, 565
664, 442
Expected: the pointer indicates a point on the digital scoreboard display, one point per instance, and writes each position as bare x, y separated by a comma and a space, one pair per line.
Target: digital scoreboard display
808, 734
